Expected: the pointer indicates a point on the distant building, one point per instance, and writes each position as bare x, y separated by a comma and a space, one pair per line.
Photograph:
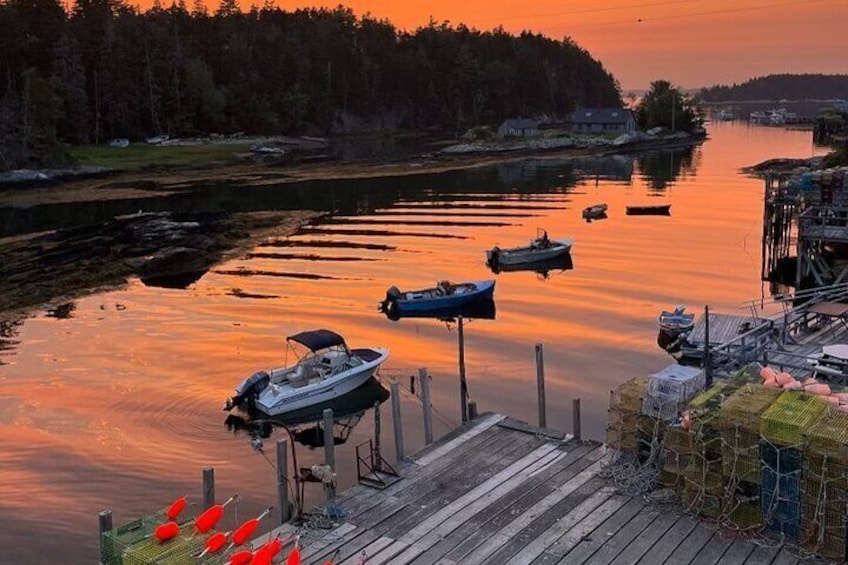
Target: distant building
603, 120
518, 128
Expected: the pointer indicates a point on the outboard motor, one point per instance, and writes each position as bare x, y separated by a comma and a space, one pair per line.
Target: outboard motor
495, 258
388, 305
249, 390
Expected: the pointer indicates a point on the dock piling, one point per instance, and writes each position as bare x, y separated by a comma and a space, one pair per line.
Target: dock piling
208, 487
396, 422
575, 414
707, 372
540, 384
378, 432
424, 382
105, 525
463, 384
472, 410
283, 480
329, 443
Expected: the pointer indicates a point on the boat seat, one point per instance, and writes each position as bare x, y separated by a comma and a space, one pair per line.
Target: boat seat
302, 376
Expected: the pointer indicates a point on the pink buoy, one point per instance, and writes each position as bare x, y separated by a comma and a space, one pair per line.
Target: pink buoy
784, 378
792, 384
819, 388
768, 373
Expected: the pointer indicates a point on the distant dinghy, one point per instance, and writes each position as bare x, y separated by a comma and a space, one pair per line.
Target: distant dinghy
664, 210
595, 212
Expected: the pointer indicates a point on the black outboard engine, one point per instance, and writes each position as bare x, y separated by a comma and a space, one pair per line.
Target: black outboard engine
249, 390
495, 258
388, 306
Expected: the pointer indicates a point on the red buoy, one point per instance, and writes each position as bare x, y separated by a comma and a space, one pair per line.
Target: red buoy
176, 508
294, 556
241, 558
210, 517
214, 543
166, 531
243, 532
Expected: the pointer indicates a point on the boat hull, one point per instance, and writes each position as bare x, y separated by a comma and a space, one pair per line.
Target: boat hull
649, 210
276, 400
528, 255
485, 291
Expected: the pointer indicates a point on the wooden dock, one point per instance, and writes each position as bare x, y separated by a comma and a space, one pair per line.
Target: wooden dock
499, 491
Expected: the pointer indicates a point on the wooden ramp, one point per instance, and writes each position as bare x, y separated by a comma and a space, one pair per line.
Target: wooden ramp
723, 328
495, 492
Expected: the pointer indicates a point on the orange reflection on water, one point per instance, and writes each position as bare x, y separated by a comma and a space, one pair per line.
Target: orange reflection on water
127, 393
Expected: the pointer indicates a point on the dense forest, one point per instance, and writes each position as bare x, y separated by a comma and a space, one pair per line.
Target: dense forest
103, 69
779, 87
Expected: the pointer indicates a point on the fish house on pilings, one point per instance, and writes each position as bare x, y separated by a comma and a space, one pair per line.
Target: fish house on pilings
810, 210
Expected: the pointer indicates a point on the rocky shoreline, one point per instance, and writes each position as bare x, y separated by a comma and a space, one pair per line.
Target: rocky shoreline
162, 249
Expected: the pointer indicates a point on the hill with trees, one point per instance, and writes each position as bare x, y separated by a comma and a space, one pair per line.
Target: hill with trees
780, 87
104, 69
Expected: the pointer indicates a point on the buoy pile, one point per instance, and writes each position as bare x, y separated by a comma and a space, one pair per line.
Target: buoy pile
169, 538
772, 378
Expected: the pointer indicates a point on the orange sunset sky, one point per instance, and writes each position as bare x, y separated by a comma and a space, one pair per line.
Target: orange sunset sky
692, 43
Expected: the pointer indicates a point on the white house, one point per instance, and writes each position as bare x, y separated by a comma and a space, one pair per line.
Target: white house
518, 128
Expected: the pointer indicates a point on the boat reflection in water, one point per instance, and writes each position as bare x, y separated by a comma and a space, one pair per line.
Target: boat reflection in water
481, 309
306, 425
541, 268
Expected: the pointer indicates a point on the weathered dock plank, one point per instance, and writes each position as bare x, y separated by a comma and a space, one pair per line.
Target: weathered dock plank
504, 494
665, 546
532, 498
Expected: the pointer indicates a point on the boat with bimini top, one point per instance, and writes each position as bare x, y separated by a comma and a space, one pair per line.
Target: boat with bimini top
326, 371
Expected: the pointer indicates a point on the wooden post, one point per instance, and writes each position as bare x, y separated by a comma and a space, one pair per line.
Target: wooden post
707, 372
106, 545
575, 414
424, 381
396, 421
378, 431
540, 384
208, 487
283, 480
472, 410
463, 385
329, 443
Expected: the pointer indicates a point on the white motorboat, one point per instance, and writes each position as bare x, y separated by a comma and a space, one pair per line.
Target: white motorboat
328, 370
540, 249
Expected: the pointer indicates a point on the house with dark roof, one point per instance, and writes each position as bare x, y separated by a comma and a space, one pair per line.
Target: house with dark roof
603, 120
518, 128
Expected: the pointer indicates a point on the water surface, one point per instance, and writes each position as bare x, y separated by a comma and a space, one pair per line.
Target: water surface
114, 401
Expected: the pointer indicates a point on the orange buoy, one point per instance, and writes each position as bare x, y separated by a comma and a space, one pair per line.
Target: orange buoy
210, 517
243, 532
767, 373
176, 508
785, 378
818, 388
166, 531
241, 558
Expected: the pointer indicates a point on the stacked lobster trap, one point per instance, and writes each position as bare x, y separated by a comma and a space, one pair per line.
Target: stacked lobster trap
754, 458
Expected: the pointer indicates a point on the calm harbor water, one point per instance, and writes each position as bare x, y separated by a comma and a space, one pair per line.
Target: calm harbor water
114, 401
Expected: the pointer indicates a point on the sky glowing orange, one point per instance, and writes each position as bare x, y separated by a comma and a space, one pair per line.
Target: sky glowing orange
692, 43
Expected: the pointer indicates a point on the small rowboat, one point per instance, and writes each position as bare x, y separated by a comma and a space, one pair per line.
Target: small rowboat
540, 249
595, 212
444, 295
676, 321
664, 210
